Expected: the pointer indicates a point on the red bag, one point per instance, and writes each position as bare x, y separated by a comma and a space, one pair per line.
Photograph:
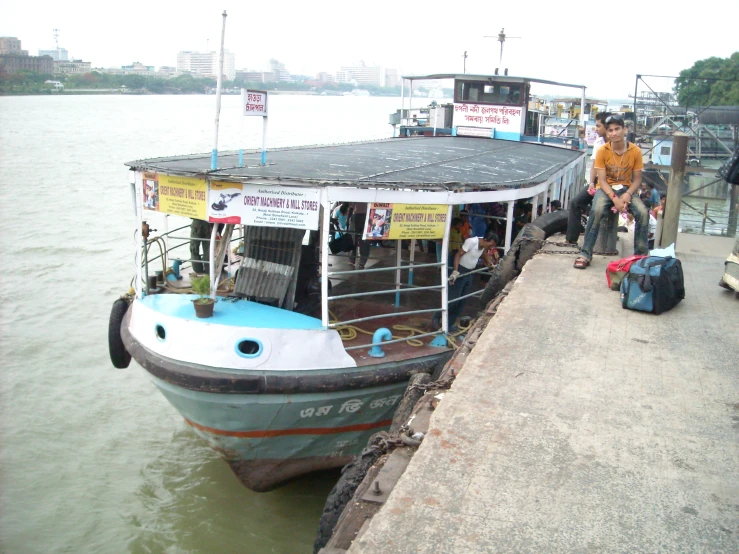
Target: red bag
617, 269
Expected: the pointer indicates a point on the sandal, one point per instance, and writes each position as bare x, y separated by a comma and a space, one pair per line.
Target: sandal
581, 263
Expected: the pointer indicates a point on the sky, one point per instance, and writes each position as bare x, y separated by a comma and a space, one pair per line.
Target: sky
602, 45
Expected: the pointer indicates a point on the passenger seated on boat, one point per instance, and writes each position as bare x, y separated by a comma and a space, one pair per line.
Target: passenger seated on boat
660, 208
521, 216
341, 215
477, 221
455, 240
460, 284
653, 194
466, 228
455, 236
200, 230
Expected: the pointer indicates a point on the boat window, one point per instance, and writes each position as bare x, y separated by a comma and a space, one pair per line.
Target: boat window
249, 348
532, 124
488, 93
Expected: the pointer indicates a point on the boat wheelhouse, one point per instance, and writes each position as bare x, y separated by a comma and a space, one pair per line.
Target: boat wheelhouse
498, 106
307, 355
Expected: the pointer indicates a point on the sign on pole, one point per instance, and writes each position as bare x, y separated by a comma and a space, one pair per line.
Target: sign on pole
254, 102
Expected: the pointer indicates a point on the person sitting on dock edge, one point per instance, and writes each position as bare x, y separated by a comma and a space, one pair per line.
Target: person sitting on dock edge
460, 283
584, 198
619, 165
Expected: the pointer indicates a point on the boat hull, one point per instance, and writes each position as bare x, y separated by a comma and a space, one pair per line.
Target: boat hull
272, 426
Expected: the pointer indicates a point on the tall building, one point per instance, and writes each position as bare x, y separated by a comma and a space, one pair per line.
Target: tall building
325, 77
362, 74
278, 68
167, 71
206, 63
392, 78
13, 63
137, 68
14, 59
11, 46
58, 55
74, 67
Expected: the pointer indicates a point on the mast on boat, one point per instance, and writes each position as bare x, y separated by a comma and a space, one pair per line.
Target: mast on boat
219, 86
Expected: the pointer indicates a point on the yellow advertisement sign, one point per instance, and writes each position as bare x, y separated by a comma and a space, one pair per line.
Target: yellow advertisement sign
184, 196
405, 221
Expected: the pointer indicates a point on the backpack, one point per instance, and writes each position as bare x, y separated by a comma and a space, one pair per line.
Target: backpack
653, 284
617, 270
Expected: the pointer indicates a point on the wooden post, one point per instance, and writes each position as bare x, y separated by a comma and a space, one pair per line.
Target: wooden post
675, 189
705, 215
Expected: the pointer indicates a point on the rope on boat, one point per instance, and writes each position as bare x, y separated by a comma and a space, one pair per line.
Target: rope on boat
351, 332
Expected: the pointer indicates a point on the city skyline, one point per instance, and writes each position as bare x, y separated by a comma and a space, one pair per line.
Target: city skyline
560, 45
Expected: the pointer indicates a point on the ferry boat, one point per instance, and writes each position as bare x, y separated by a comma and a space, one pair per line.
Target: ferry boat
306, 355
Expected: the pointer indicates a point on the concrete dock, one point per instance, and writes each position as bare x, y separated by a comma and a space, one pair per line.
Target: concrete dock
578, 426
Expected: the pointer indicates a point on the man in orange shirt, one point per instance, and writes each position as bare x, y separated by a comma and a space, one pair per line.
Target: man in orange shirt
619, 166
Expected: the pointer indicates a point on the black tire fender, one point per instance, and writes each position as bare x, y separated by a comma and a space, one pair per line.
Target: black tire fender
352, 476
553, 222
118, 353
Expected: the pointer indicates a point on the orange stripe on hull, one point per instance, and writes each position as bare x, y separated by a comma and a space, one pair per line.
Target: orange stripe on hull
284, 432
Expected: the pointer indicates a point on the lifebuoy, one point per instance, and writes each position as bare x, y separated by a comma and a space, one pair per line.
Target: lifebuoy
118, 353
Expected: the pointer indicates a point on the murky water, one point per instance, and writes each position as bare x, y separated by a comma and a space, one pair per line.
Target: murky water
93, 459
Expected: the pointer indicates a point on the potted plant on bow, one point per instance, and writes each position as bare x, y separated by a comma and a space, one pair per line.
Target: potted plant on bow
203, 303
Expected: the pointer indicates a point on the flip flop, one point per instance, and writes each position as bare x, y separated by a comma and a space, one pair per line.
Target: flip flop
581, 263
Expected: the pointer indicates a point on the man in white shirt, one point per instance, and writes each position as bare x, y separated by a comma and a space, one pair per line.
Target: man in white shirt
584, 198
460, 283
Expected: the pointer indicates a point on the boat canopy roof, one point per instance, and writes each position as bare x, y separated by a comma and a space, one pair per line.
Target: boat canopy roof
430, 163
503, 78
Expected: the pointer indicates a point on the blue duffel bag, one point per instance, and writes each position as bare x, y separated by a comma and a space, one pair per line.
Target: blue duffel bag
653, 284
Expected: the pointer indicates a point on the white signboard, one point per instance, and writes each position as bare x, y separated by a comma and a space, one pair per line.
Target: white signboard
263, 205
506, 119
275, 206
254, 102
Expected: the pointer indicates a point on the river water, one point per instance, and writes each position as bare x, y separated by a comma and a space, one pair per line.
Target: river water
93, 459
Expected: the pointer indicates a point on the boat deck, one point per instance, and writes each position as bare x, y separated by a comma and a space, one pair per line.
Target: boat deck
367, 306
355, 308
420, 162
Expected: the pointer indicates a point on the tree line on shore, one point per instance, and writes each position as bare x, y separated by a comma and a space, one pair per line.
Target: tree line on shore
26, 82
710, 82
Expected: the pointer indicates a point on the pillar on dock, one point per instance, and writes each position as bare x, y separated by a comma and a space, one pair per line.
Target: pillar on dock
675, 189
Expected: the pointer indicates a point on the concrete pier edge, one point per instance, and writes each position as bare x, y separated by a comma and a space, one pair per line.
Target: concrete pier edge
545, 443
